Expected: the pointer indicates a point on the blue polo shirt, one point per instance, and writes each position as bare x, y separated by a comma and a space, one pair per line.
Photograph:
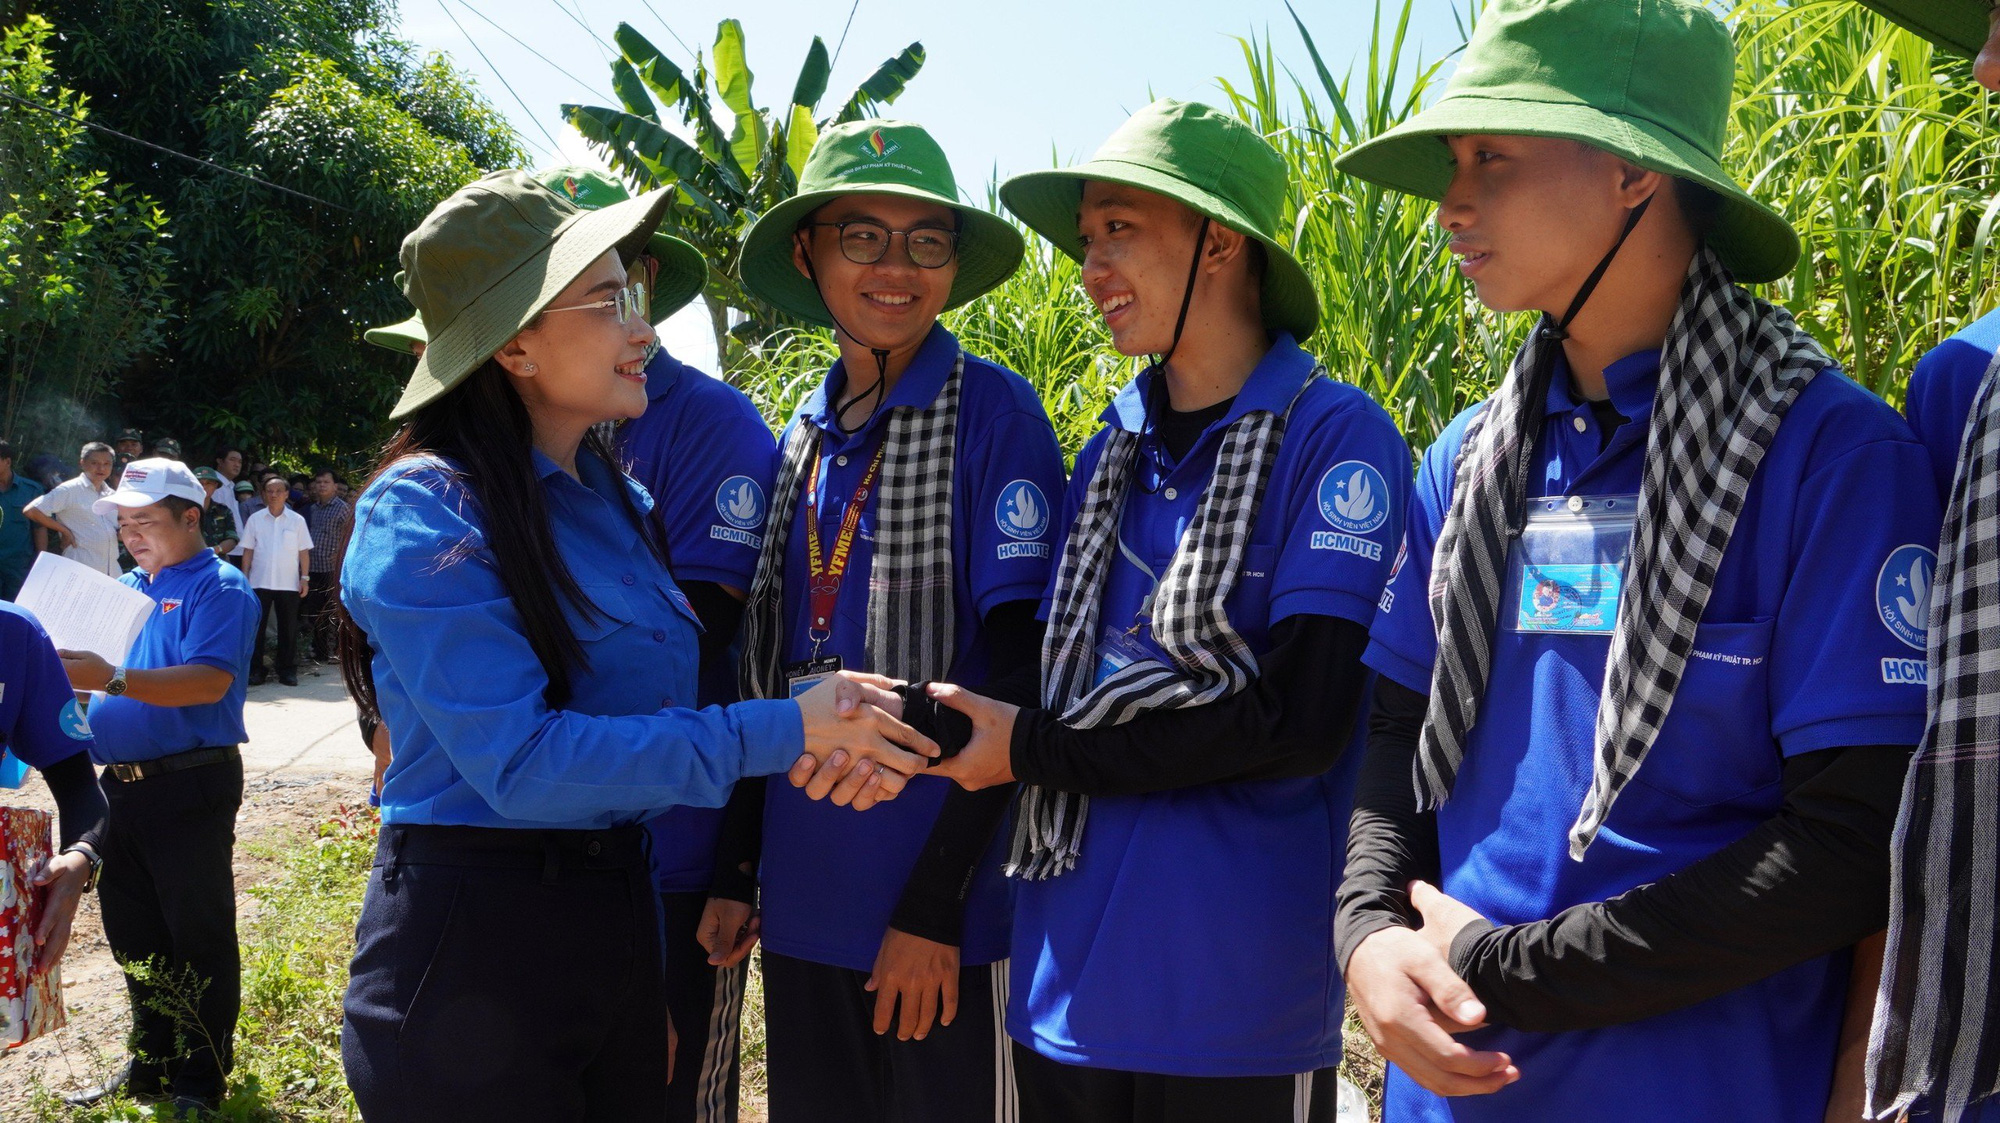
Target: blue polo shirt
1194, 935
475, 742
708, 459
17, 534
207, 616
831, 877
40, 721
1939, 404
1806, 644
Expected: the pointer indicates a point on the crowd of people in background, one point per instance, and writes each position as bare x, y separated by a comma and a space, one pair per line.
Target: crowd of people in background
258, 517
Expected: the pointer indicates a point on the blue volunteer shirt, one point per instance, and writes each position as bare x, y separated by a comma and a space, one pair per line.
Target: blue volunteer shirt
708, 459
1194, 935
40, 721
475, 743
1942, 389
831, 877
206, 616
1813, 639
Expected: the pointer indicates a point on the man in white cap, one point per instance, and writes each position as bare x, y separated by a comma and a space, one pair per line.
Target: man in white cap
168, 733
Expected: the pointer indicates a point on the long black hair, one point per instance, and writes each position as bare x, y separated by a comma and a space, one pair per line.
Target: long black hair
482, 432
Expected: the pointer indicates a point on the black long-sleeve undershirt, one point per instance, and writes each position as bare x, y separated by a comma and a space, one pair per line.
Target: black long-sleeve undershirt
1811, 879
1292, 720
81, 813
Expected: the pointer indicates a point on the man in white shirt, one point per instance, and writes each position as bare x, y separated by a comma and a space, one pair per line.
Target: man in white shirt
277, 551
65, 511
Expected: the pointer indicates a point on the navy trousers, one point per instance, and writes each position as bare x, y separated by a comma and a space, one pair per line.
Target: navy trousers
508, 975
707, 1004
1053, 1092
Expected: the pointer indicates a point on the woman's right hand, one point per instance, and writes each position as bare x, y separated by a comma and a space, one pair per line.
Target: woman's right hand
858, 751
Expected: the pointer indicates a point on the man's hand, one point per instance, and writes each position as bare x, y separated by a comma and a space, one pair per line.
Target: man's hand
65, 541
60, 881
728, 929
673, 1046
86, 671
1401, 986
988, 758
1444, 916
858, 750
922, 976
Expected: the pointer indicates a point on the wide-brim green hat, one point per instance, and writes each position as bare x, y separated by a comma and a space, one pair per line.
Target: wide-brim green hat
491, 257
1959, 26
1646, 80
403, 336
873, 158
1202, 158
683, 271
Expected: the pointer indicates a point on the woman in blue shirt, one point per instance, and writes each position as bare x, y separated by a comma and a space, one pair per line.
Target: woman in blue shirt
512, 622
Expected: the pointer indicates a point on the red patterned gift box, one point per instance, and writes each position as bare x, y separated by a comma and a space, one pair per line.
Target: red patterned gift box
30, 999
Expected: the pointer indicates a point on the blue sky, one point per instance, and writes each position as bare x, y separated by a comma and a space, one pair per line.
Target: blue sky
1007, 85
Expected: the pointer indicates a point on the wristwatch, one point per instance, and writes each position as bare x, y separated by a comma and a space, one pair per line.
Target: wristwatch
117, 684
90, 855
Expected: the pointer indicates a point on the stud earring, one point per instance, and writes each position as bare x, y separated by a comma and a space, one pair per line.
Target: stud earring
530, 368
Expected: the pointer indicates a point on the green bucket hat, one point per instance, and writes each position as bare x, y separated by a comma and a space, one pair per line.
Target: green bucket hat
1646, 80
683, 272
495, 253
1959, 26
1205, 159
867, 158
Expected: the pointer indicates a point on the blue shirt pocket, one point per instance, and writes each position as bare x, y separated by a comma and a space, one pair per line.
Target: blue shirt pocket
613, 610
1716, 747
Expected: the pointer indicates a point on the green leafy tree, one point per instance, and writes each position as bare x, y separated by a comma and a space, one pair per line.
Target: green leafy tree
83, 261
726, 174
272, 284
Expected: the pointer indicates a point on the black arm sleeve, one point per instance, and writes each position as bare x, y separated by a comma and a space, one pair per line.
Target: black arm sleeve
740, 845
933, 902
1389, 842
720, 613
1292, 720
80, 808
1811, 879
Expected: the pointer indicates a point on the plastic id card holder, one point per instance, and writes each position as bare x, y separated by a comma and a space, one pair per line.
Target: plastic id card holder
1117, 649
801, 677
1567, 570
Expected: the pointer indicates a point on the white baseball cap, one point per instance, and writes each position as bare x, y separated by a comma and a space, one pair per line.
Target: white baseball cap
146, 482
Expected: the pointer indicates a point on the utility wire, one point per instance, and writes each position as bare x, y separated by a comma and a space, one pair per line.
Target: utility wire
669, 27
524, 46
54, 112
503, 78
580, 22
843, 35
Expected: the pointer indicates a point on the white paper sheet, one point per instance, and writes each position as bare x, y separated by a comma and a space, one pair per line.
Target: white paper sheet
83, 609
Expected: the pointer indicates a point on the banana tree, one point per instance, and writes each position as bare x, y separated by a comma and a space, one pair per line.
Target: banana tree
728, 160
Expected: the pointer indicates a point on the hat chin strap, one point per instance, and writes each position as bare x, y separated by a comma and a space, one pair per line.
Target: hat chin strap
1187, 296
881, 362
1559, 331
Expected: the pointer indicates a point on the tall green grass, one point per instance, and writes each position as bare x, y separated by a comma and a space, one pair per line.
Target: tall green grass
1880, 149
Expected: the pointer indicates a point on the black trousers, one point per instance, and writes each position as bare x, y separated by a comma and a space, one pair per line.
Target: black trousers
316, 608
169, 899
825, 1063
286, 605
1053, 1092
508, 975
707, 1004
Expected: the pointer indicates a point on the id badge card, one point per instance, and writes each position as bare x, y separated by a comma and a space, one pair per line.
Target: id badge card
1117, 649
1566, 572
801, 677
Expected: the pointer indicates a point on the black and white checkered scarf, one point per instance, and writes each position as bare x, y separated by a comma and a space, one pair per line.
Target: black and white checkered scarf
1729, 369
1937, 1014
912, 626
1206, 658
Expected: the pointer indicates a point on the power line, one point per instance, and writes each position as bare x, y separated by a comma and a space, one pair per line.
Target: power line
54, 112
669, 27
524, 45
580, 22
845, 34
553, 146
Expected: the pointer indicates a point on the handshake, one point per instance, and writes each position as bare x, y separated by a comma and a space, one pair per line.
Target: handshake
860, 751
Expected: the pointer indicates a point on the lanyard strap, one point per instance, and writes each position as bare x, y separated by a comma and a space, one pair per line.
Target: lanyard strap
828, 573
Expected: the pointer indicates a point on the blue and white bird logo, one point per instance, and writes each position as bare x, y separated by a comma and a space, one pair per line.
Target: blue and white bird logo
74, 725
1353, 498
1903, 593
740, 502
1022, 512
